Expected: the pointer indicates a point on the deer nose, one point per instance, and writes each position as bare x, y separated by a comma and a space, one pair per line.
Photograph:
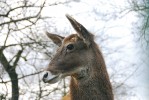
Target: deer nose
45, 75
49, 77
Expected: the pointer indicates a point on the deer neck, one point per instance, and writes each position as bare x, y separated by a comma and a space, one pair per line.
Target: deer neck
91, 83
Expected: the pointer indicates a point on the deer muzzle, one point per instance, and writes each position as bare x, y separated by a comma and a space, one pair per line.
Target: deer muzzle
48, 77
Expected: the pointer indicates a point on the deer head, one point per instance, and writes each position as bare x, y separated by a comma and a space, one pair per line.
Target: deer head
73, 55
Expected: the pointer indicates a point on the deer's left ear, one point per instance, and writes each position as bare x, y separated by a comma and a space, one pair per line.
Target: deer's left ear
81, 30
57, 39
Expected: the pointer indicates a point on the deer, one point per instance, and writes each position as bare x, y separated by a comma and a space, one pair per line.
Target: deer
79, 57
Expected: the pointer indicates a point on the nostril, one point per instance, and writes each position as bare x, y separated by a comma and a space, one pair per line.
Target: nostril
45, 75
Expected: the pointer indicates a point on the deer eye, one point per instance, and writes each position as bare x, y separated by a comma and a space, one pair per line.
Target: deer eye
70, 47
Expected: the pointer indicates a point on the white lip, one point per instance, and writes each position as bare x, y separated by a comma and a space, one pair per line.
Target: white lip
52, 78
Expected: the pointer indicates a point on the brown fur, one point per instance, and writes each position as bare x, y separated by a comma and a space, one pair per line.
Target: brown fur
71, 38
97, 86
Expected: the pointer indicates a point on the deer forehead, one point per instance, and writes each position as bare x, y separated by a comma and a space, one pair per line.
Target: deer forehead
70, 39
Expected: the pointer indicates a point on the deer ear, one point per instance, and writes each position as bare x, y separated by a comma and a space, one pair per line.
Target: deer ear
55, 38
81, 30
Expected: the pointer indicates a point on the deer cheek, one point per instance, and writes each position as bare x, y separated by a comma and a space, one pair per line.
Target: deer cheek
68, 65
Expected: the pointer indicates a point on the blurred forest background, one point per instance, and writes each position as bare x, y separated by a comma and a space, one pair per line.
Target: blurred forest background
121, 28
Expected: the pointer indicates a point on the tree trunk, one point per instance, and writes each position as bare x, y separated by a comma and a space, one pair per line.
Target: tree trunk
12, 74
14, 81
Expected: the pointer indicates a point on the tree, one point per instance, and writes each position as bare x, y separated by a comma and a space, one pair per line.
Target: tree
12, 17
141, 7
22, 43
141, 36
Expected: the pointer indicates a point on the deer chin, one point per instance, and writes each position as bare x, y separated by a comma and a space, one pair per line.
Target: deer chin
51, 79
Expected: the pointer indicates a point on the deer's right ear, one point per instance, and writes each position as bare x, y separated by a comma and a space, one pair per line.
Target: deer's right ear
55, 38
